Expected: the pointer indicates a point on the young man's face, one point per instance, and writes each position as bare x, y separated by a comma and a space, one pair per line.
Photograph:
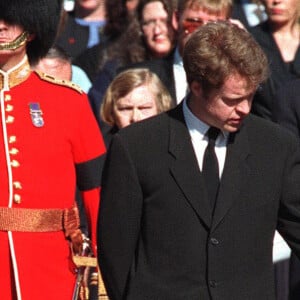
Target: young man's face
224, 108
8, 34
192, 18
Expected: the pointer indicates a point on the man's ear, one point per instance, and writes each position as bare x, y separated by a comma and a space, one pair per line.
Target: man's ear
175, 20
31, 37
196, 88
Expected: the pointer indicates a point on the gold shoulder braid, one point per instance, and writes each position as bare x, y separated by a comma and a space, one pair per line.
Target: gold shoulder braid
57, 81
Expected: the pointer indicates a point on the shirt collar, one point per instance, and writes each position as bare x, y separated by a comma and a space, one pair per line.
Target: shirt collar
15, 75
177, 58
196, 127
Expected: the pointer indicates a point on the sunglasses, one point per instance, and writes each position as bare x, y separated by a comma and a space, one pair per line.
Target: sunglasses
191, 24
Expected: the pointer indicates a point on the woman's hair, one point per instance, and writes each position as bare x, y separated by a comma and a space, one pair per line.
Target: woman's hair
127, 81
117, 18
131, 39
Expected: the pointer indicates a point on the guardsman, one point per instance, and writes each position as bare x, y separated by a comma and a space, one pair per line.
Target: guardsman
49, 144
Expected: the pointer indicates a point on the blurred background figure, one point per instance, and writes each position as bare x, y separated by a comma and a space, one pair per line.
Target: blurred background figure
157, 23
286, 112
119, 15
131, 5
279, 38
82, 26
151, 34
249, 12
191, 14
59, 65
133, 95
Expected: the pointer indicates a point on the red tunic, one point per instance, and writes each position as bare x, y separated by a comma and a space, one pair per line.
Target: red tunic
39, 168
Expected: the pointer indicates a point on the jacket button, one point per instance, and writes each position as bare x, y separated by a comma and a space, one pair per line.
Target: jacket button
214, 241
9, 108
12, 139
9, 119
13, 151
17, 198
212, 283
14, 163
17, 185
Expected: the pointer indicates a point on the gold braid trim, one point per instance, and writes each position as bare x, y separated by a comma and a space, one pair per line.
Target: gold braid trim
57, 81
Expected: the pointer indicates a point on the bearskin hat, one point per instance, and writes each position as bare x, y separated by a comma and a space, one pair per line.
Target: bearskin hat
38, 17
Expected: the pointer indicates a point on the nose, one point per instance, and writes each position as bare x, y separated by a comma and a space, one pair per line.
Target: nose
157, 28
136, 115
3, 24
244, 106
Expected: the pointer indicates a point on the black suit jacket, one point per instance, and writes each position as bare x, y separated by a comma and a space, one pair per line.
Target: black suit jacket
157, 237
286, 110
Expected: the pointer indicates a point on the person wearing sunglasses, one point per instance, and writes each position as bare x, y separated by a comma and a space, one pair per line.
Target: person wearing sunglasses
191, 14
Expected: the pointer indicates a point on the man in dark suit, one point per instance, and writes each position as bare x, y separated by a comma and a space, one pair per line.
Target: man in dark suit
172, 228
286, 112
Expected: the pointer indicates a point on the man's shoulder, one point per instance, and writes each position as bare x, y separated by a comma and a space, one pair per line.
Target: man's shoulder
155, 130
156, 123
262, 130
65, 85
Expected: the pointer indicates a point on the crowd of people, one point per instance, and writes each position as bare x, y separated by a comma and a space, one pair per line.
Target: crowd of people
150, 150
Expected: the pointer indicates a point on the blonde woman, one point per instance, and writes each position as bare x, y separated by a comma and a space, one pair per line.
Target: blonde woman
133, 95
279, 37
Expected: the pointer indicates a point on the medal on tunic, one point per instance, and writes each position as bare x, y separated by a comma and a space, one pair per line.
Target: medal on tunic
36, 114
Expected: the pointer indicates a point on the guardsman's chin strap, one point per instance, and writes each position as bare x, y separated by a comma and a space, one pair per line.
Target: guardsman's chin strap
16, 43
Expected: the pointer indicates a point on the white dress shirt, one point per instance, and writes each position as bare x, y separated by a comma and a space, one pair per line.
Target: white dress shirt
197, 130
181, 86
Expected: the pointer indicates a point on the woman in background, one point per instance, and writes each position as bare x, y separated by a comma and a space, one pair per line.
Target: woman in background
151, 35
279, 37
134, 95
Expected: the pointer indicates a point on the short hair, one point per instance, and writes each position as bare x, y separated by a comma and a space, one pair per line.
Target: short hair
125, 82
219, 49
211, 6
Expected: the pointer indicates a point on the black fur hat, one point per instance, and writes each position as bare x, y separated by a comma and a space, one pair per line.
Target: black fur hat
40, 17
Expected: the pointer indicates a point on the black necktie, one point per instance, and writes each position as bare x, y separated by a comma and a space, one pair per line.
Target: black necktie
210, 169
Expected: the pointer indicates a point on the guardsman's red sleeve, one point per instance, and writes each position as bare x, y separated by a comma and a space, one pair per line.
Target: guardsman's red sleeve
88, 153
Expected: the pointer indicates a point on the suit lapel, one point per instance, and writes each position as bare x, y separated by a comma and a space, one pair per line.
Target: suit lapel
184, 167
234, 174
